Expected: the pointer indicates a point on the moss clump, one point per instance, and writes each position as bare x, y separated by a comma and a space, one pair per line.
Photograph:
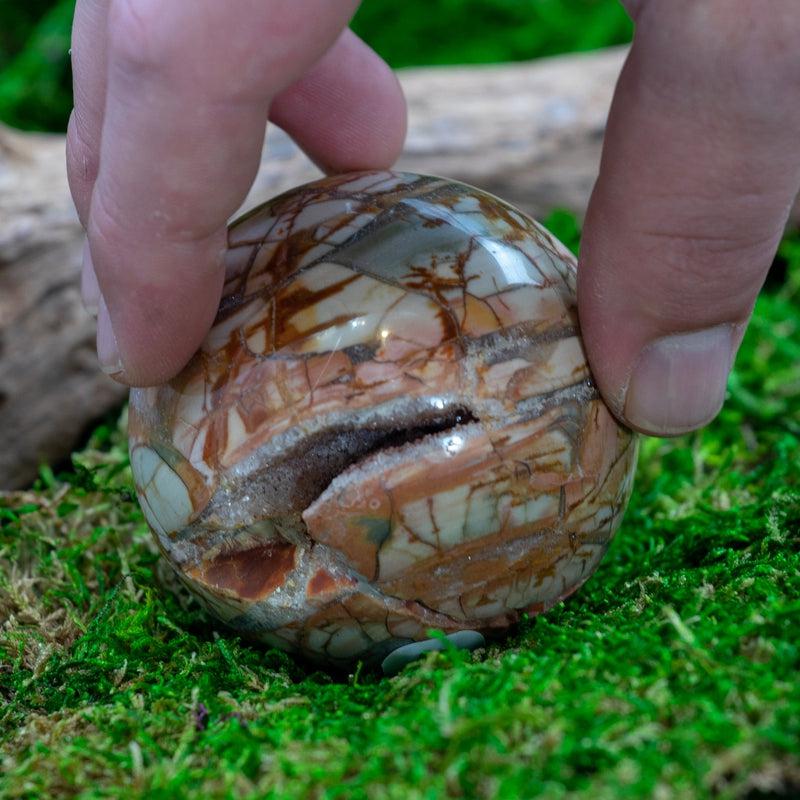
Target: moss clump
672, 673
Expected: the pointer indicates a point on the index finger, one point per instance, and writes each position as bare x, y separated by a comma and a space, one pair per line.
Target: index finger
700, 166
188, 92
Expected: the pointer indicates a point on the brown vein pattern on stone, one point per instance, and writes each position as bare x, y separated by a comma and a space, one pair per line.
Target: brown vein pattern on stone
391, 426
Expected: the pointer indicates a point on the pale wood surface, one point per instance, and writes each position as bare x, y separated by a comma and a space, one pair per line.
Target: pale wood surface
530, 133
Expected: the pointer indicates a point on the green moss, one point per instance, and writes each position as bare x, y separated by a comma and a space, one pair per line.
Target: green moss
673, 672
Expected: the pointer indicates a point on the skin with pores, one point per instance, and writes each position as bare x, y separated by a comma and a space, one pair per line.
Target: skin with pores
700, 167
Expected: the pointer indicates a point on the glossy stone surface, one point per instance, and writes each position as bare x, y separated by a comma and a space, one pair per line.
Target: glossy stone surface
390, 428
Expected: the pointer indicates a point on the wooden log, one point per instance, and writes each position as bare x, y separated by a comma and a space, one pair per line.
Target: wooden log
530, 133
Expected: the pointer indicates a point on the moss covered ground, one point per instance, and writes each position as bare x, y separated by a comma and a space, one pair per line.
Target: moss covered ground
672, 673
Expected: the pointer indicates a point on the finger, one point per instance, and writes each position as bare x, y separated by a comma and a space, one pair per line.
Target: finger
699, 169
348, 112
88, 52
189, 85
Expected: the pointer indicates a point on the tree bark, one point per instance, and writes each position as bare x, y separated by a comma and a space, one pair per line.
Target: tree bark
530, 133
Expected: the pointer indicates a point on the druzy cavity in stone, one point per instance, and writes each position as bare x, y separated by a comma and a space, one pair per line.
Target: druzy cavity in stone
391, 426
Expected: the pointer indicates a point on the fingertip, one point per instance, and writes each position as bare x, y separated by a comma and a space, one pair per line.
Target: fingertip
151, 323
678, 382
348, 112
137, 357
660, 356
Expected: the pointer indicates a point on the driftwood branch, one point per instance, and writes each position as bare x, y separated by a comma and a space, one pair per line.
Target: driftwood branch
530, 133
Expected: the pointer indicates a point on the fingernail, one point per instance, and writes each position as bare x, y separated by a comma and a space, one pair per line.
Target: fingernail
90, 290
678, 382
107, 350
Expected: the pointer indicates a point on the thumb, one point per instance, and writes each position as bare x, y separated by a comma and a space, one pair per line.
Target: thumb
699, 170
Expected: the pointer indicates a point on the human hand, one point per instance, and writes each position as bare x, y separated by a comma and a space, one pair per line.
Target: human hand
701, 163
171, 102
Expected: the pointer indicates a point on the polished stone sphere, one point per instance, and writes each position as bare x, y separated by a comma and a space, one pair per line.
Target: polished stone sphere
390, 428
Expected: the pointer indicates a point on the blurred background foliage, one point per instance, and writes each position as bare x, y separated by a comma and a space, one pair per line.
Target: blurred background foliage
35, 79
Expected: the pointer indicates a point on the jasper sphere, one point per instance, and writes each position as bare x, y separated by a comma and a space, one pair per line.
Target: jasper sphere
390, 428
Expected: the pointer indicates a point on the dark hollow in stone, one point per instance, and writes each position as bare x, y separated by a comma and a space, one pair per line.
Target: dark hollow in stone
327, 454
